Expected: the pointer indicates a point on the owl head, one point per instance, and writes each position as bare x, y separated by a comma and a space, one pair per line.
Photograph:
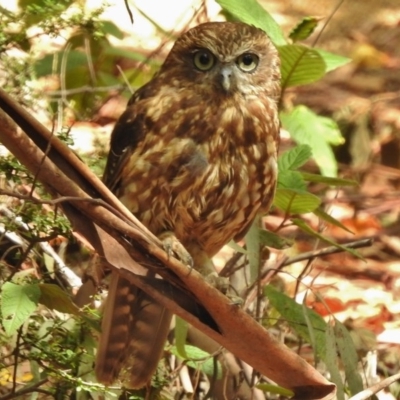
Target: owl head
227, 57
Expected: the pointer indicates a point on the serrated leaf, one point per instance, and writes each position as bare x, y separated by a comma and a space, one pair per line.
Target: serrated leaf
294, 314
271, 239
18, 302
291, 180
304, 29
304, 227
199, 359
349, 357
306, 127
54, 298
252, 13
295, 157
295, 202
328, 180
300, 65
332, 61
328, 218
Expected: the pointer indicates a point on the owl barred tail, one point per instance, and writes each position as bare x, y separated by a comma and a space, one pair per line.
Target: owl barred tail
134, 331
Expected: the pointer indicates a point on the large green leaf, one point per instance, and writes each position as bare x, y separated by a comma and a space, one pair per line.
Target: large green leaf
348, 354
332, 61
295, 201
332, 362
318, 132
18, 302
251, 12
294, 158
300, 65
291, 180
294, 314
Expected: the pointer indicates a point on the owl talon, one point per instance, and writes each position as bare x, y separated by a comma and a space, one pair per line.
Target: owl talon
219, 282
174, 248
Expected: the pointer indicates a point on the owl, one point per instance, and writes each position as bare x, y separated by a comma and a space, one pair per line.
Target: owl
194, 158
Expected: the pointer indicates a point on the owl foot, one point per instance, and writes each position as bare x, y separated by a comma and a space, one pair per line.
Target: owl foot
222, 284
174, 248
219, 282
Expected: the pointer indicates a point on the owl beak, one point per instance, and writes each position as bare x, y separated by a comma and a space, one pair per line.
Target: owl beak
226, 75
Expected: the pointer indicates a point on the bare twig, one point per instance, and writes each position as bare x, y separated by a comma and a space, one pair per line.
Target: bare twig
367, 393
26, 390
328, 250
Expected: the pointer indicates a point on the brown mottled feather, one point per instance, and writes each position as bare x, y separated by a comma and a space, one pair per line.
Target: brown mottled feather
190, 157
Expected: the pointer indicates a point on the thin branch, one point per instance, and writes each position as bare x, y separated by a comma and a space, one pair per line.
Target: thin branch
26, 390
367, 393
328, 250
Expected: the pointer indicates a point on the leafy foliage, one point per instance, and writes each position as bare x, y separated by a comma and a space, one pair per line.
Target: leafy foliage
318, 132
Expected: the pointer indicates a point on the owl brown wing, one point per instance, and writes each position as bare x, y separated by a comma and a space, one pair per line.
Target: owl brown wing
129, 130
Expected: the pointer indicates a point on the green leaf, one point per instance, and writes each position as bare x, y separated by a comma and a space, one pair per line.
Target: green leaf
253, 246
51, 63
18, 302
349, 357
252, 13
300, 65
273, 240
328, 218
273, 389
304, 29
111, 29
294, 314
332, 61
331, 362
237, 248
304, 227
54, 298
181, 329
306, 127
291, 180
294, 158
295, 201
199, 359
328, 180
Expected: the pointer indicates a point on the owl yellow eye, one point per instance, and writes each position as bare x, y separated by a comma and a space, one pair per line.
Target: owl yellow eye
247, 62
203, 60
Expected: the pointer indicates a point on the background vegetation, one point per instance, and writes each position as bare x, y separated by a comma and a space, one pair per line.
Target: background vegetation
48, 344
